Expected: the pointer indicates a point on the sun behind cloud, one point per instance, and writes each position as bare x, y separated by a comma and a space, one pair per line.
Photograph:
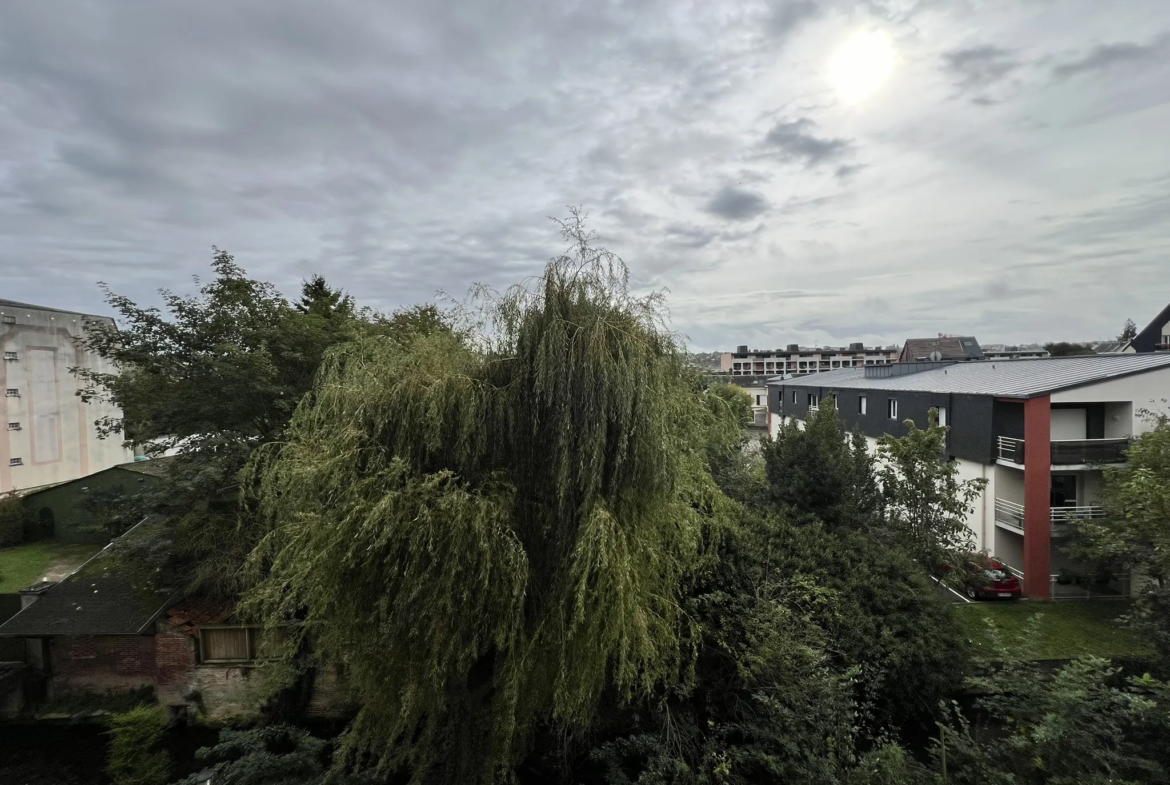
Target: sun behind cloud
861, 65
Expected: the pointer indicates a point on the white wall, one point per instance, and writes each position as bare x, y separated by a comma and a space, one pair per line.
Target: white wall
1069, 424
56, 440
1149, 390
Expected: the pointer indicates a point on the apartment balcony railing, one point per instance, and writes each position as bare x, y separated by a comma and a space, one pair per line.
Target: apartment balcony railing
1067, 452
1012, 514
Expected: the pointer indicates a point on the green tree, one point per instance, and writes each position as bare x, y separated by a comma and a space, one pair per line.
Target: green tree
1134, 534
1066, 349
134, 739
269, 755
488, 528
1084, 725
1128, 332
927, 505
819, 472
213, 377
736, 398
769, 698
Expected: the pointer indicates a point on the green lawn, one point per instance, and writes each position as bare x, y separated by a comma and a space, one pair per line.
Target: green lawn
1049, 631
23, 565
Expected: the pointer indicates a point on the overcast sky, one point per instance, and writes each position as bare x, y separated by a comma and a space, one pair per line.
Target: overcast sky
1009, 178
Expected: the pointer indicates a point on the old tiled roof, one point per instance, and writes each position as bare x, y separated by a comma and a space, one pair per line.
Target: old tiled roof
950, 347
1008, 378
108, 595
155, 467
192, 613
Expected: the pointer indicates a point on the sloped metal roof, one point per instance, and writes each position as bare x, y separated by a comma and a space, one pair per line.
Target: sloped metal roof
1001, 378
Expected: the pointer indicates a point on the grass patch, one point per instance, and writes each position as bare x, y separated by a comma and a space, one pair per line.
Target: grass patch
23, 565
1049, 630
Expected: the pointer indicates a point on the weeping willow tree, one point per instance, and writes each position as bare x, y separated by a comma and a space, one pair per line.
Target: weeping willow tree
487, 527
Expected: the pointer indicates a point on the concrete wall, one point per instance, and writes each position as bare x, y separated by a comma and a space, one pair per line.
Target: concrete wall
1149, 390
1069, 424
56, 440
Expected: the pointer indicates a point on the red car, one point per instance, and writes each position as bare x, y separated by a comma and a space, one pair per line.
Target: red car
985, 578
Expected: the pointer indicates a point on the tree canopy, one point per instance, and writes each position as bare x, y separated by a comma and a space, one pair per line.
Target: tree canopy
489, 528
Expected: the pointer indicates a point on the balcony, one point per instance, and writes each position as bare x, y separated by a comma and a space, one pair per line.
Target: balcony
1011, 516
1067, 452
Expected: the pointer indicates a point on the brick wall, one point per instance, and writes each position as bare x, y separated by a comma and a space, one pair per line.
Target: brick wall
99, 664
167, 661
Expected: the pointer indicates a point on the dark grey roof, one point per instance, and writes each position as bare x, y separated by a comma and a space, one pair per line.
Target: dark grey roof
951, 347
108, 595
1022, 378
1151, 336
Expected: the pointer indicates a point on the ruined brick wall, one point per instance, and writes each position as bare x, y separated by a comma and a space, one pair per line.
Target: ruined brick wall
101, 663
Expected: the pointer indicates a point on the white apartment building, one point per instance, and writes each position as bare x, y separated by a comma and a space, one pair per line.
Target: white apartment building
1039, 431
798, 361
49, 434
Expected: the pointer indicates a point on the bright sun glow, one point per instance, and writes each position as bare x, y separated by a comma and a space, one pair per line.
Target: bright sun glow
861, 65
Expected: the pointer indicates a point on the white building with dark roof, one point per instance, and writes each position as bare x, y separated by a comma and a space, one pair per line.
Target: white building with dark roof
1040, 431
48, 433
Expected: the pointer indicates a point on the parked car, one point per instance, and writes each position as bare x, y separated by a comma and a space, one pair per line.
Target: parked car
981, 577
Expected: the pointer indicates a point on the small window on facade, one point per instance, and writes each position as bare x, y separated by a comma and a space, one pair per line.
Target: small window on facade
813, 400
10, 320
235, 644
14, 426
12, 392
892, 408
794, 396
942, 415
861, 404
10, 356
758, 400
16, 461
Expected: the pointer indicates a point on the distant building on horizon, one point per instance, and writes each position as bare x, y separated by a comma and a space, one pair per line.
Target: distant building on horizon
1000, 351
799, 360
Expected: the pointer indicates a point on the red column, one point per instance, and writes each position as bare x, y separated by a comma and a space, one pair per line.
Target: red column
1037, 497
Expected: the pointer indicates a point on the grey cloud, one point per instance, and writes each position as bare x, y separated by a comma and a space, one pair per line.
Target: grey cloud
737, 204
794, 141
788, 15
1105, 56
979, 67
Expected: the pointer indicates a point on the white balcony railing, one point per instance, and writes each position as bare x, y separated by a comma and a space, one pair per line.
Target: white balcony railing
1011, 514
1009, 449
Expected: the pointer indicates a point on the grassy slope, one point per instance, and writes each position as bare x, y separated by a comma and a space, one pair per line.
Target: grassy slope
1049, 631
23, 565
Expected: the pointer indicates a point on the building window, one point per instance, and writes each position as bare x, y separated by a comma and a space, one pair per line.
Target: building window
892, 408
16, 461
814, 401
235, 644
861, 404
794, 396
758, 400
942, 415
12, 392
14, 426
10, 356
10, 320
